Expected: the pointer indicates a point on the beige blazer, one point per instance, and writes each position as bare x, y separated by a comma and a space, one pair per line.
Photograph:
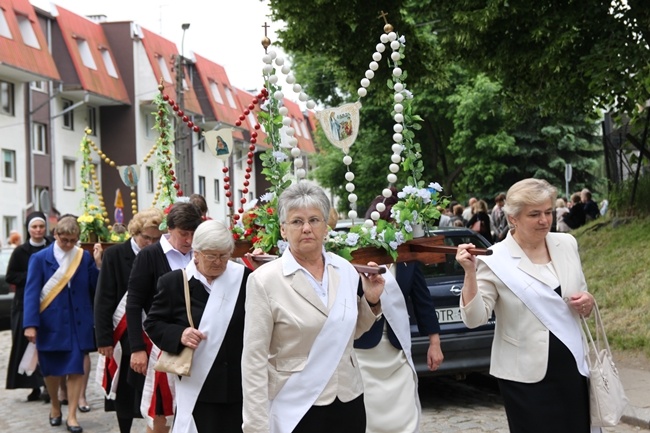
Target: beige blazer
283, 318
520, 346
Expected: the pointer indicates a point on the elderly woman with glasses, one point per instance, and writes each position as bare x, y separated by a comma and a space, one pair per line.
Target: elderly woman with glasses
210, 400
302, 316
58, 315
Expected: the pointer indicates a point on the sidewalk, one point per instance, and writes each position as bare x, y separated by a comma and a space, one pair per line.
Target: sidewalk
637, 387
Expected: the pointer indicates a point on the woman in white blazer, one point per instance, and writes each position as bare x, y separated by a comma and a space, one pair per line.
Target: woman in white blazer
535, 285
303, 313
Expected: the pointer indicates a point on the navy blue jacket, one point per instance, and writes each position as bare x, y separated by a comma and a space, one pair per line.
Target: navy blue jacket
412, 283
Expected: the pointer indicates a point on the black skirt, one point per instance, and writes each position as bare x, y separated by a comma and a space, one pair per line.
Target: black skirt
18, 346
559, 403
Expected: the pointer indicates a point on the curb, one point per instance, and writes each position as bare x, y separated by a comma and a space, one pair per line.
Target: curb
636, 416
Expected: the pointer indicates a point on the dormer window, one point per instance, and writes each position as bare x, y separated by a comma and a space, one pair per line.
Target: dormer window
86, 56
27, 31
164, 70
4, 26
216, 94
108, 62
231, 100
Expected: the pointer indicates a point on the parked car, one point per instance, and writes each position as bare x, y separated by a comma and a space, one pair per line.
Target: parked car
465, 350
6, 292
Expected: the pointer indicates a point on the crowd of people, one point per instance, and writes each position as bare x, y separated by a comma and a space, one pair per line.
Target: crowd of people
303, 343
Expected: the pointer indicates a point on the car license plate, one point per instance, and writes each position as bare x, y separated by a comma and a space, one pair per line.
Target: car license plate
448, 315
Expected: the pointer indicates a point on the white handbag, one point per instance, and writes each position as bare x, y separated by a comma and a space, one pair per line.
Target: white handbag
607, 399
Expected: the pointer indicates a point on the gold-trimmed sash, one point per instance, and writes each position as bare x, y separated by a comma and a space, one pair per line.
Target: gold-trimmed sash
58, 281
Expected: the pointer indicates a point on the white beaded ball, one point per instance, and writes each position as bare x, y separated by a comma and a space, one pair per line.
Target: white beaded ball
381, 207
352, 214
349, 176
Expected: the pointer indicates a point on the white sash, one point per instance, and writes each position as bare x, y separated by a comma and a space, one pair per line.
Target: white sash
541, 300
303, 388
118, 315
59, 274
393, 307
214, 324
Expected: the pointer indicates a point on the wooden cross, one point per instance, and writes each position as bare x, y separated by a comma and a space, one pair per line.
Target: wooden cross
266, 27
383, 15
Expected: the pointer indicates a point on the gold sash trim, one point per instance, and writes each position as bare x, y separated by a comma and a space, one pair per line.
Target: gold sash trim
74, 264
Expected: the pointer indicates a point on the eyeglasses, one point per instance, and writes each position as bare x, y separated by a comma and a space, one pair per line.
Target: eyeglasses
298, 224
68, 241
148, 238
214, 258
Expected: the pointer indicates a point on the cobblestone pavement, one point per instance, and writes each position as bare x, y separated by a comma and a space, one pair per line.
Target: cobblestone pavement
448, 406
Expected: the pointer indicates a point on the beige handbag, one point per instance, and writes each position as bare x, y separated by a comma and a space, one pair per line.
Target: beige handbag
180, 364
607, 399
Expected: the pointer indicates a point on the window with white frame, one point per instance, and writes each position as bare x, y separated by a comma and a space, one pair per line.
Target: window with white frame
68, 116
252, 119
41, 86
229, 97
26, 28
86, 55
202, 185
8, 164
91, 120
108, 62
39, 138
150, 179
5, 31
69, 174
305, 131
149, 122
6, 98
216, 94
217, 191
164, 68
296, 128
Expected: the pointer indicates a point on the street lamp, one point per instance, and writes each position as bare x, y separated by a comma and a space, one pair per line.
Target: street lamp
182, 148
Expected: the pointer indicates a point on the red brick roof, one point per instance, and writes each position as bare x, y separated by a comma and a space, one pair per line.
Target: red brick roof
78, 32
15, 53
158, 48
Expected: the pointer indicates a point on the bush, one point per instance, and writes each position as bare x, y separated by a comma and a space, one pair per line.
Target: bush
620, 198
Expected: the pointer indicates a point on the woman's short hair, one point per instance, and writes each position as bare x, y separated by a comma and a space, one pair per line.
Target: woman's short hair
560, 202
145, 219
303, 195
213, 235
184, 216
199, 201
68, 225
528, 192
480, 206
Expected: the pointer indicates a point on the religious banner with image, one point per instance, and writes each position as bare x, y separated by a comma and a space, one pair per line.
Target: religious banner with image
130, 174
341, 124
219, 142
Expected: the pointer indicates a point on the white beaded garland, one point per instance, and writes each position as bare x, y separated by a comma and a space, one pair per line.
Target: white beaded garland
380, 48
399, 117
384, 38
397, 72
286, 121
352, 214
398, 127
368, 223
376, 56
369, 74
396, 158
365, 82
297, 88
290, 132
273, 54
352, 198
386, 192
303, 96
395, 45
266, 58
349, 187
283, 111
286, 69
293, 141
381, 207
311, 104
362, 92
394, 168
347, 160
349, 176
279, 61
290, 79
391, 178
398, 97
373, 65
395, 56
301, 173
397, 138
295, 152
398, 87
273, 79
298, 163
397, 148
399, 108
267, 69
278, 95
374, 215
392, 36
